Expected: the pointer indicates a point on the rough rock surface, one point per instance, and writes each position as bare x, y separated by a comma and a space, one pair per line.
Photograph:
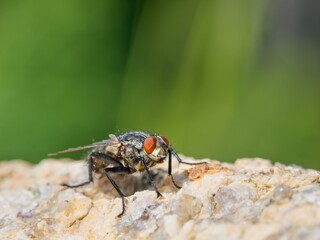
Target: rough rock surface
250, 199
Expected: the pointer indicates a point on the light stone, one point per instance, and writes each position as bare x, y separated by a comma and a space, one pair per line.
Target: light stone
250, 199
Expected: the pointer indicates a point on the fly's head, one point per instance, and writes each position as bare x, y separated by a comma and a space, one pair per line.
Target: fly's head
156, 147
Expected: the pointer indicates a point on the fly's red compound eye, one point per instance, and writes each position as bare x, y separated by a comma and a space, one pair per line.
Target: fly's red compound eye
150, 144
165, 139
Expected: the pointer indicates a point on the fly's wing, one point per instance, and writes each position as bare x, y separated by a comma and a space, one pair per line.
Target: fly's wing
94, 145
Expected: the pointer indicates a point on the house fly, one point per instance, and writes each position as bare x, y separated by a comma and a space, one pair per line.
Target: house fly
128, 153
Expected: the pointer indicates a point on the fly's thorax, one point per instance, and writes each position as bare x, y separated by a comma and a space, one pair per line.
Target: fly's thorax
137, 144
131, 151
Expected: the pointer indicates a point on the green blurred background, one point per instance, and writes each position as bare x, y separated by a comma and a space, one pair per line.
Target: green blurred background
221, 79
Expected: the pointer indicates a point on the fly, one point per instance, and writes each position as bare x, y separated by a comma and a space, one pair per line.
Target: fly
128, 153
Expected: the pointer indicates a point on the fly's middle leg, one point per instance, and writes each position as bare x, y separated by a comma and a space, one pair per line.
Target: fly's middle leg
150, 178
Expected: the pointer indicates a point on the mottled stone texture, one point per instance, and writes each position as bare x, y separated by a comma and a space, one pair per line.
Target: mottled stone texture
250, 199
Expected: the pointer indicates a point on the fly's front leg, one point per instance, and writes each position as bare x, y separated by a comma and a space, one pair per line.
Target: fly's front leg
170, 170
172, 152
180, 161
150, 178
119, 169
90, 169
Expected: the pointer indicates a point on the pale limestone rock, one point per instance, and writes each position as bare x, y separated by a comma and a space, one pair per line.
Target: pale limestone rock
251, 199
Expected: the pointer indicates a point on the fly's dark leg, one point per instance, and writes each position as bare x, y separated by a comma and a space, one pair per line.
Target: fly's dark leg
170, 170
150, 178
118, 169
172, 152
180, 161
90, 168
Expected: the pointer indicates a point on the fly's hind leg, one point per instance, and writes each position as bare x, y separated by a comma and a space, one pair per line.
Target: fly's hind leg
90, 169
118, 169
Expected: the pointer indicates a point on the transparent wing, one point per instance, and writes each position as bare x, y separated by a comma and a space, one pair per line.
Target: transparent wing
94, 145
